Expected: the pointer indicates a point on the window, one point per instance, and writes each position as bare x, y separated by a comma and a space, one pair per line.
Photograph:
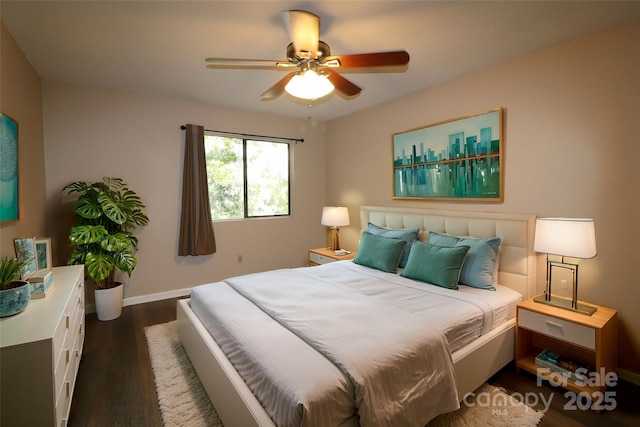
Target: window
247, 178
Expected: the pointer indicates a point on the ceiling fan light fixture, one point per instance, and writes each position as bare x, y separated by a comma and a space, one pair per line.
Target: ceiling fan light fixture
309, 85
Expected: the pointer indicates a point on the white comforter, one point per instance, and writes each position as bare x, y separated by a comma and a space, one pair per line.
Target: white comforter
400, 368
358, 373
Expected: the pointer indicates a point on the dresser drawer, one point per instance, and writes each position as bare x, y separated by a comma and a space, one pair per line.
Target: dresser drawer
552, 326
80, 336
66, 323
60, 333
320, 259
67, 355
65, 359
63, 404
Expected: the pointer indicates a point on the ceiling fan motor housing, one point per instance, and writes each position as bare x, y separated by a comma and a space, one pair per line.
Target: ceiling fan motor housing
296, 57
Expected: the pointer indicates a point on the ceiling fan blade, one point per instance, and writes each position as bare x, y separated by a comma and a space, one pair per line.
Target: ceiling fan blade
277, 89
341, 84
304, 29
242, 63
380, 59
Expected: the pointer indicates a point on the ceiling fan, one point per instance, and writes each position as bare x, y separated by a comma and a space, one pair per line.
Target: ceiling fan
314, 75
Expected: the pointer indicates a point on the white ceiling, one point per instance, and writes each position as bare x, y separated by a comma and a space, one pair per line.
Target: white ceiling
158, 47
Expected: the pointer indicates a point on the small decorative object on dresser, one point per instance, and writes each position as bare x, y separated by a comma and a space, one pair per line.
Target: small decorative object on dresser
26, 250
584, 341
43, 254
107, 212
325, 255
41, 283
14, 292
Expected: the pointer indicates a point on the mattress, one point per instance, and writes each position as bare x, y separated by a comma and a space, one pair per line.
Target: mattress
297, 385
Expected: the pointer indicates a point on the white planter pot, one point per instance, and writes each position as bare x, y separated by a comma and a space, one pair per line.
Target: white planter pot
109, 302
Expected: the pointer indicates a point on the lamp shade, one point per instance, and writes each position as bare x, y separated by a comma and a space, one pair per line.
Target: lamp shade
335, 216
570, 237
309, 85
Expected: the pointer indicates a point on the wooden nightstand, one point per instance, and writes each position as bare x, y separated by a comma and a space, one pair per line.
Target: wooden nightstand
588, 339
325, 255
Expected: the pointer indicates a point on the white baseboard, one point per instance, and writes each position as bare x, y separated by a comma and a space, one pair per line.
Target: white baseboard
91, 308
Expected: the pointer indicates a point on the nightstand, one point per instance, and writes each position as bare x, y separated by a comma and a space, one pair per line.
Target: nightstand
591, 340
325, 255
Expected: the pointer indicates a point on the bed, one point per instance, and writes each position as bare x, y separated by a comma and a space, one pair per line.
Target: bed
474, 356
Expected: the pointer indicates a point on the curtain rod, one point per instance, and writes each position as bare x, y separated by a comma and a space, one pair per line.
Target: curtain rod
296, 140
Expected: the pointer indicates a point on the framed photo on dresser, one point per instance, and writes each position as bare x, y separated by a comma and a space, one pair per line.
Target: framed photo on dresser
43, 254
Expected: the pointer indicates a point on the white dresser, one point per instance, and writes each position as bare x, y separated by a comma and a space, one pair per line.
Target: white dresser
40, 350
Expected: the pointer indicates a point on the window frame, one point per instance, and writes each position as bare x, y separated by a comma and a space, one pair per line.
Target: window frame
245, 183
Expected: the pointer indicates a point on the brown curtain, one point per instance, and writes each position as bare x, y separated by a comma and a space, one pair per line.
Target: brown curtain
196, 227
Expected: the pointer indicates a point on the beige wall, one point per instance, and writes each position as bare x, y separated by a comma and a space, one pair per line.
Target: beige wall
21, 99
92, 133
572, 144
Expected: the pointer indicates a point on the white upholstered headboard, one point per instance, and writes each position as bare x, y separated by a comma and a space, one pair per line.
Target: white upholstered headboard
518, 260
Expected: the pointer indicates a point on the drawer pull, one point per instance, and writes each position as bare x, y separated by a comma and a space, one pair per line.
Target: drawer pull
68, 352
554, 325
68, 321
68, 388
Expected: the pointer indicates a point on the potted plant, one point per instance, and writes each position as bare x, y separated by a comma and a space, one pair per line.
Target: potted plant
14, 293
107, 212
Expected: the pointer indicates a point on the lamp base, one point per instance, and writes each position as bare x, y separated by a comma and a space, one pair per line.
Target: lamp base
566, 304
335, 239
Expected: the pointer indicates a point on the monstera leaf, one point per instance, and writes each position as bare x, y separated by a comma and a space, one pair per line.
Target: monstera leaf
99, 266
87, 234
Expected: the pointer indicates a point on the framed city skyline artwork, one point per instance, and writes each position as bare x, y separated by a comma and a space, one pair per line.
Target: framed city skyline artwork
457, 159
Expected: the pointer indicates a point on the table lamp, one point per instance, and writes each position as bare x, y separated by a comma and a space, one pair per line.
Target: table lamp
334, 217
565, 241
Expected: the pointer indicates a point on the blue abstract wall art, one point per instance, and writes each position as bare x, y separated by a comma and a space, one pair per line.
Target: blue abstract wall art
9, 207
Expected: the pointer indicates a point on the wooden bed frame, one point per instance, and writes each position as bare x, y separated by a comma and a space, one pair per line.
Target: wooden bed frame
473, 364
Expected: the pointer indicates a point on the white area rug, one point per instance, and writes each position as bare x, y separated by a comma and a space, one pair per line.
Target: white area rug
182, 398
184, 402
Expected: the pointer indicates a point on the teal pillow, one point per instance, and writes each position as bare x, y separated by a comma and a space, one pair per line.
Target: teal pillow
378, 252
409, 235
479, 267
438, 265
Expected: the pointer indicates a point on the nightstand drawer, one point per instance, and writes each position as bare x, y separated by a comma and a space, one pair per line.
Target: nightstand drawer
320, 259
558, 328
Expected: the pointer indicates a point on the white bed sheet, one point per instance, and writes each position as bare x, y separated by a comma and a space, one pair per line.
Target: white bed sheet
298, 386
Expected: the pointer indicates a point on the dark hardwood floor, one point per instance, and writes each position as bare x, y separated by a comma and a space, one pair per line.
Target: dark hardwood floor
115, 382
